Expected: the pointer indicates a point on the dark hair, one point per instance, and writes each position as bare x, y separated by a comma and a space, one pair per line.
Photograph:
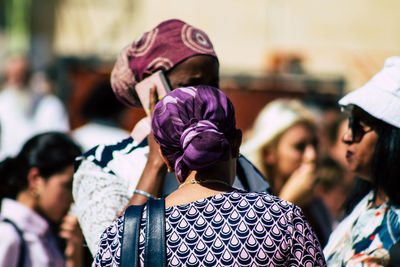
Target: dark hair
102, 104
360, 189
50, 152
385, 169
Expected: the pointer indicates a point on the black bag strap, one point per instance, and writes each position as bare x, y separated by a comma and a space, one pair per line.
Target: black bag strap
155, 249
155, 246
130, 237
21, 259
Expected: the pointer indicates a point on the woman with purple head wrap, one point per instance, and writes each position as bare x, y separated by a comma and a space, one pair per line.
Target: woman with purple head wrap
208, 222
194, 127
109, 177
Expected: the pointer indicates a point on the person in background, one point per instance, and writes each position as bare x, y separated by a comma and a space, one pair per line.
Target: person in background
35, 189
331, 188
103, 113
27, 107
196, 130
107, 178
335, 181
283, 145
334, 132
366, 236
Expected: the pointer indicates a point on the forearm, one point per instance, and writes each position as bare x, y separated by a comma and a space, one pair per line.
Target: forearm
151, 181
75, 259
298, 189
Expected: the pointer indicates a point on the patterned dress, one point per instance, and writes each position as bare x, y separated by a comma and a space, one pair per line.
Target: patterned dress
229, 229
106, 176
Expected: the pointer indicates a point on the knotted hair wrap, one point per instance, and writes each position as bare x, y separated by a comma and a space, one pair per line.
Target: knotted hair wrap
203, 145
193, 126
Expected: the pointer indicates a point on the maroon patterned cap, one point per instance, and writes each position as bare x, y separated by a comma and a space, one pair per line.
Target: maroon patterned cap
162, 48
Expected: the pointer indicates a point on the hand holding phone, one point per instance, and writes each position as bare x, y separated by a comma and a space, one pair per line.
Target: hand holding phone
142, 129
142, 88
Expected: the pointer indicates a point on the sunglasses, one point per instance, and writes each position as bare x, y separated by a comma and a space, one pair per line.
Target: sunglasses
359, 128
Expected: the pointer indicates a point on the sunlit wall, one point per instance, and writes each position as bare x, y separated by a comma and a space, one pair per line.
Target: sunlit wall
349, 38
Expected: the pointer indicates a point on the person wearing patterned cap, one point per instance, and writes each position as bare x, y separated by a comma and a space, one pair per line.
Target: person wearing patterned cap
107, 178
208, 222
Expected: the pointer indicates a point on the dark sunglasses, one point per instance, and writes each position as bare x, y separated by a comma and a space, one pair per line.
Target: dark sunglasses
359, 128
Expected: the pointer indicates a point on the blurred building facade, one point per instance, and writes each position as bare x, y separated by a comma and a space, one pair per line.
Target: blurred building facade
350, 38
270, 48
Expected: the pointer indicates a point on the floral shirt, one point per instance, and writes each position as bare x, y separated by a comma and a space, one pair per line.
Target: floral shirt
365, 237
230, 229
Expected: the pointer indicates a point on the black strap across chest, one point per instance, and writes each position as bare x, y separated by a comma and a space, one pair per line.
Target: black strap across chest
21, 258
155, 246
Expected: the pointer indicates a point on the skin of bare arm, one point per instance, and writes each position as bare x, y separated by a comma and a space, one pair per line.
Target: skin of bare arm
196, 70
71, 232
152, 178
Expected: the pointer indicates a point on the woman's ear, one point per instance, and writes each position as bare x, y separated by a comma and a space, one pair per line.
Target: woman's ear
169, 165
33, 177
269, 154
35, 182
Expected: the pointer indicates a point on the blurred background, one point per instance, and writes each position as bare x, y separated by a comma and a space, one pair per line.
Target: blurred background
310, 49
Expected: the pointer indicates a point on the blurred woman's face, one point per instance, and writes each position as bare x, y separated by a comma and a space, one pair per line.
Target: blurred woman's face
360, 139
55, 195
297, 145
197, 70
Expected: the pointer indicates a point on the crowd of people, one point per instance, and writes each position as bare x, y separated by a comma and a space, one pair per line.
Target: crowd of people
270, 196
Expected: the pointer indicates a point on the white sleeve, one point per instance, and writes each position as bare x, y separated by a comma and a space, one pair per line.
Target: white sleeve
99, 198
9, 245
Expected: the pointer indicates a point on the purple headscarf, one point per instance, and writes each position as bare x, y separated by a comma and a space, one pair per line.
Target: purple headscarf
193, 126
162, 48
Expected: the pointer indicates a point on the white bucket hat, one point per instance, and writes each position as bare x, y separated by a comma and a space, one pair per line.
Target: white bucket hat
380, 96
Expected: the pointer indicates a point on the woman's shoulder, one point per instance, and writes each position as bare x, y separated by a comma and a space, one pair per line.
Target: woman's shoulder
110, 158
238, 202
111, 236
10, 244
258, 199
9, 234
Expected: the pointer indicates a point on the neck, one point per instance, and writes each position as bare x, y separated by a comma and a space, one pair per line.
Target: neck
224, 171
204, 183
380, 198
194, 179
26, 199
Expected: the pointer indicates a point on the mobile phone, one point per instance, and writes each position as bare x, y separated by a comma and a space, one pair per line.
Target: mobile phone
142, 129
142, 88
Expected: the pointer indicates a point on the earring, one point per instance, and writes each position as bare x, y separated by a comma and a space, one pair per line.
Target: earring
169, 169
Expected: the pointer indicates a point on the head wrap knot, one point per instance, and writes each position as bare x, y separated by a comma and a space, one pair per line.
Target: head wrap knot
195, 143
193, 126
